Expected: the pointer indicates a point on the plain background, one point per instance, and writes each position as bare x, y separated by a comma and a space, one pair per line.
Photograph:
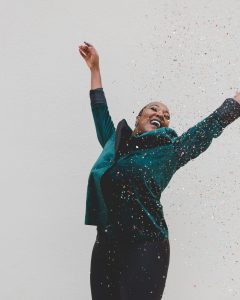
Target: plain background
185, 53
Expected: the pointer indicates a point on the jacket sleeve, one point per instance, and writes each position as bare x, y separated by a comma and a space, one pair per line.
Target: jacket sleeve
102, 119
198, 138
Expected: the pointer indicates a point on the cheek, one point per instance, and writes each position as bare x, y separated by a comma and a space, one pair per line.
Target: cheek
143, 119
146, 117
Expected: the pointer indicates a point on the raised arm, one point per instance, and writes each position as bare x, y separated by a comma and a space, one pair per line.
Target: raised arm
198, 138
102, 119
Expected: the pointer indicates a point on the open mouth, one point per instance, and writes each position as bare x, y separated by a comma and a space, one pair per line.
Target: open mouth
155, 123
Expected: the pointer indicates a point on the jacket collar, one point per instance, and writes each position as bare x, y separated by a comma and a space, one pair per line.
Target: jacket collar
125, 140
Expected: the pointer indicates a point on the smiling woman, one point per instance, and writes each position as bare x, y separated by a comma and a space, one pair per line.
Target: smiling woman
153, 115
130, 257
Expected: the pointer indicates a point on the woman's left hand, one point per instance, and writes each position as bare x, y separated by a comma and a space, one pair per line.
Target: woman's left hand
237, 97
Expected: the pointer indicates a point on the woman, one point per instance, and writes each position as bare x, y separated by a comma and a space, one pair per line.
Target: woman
130, 257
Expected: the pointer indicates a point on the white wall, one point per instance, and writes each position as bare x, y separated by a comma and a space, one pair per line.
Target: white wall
183, 52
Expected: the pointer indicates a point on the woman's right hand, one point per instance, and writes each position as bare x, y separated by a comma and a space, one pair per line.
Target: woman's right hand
90, 55
237, 96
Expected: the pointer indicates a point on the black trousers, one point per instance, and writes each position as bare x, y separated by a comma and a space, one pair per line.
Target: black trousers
129, 271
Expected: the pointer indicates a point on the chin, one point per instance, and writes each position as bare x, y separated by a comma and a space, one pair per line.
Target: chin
151, 128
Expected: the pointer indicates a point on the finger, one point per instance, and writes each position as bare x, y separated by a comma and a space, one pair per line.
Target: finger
82, 53
85, 49
88, 44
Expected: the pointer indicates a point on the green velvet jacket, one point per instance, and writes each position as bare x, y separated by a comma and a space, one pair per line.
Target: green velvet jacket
159, 152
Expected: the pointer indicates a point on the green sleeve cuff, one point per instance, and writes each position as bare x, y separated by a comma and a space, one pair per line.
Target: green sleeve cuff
97, 96
227, 112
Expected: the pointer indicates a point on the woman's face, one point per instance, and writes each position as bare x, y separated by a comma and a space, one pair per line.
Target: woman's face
154, 115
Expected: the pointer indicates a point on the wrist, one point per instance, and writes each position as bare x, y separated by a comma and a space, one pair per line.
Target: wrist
237, 99
95, 69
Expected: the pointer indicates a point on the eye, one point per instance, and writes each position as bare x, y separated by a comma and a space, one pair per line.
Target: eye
154, 108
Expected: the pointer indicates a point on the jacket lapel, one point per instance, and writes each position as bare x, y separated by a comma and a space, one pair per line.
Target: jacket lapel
123, 132
125, 141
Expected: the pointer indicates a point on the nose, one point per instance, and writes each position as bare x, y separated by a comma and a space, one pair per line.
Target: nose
159, 114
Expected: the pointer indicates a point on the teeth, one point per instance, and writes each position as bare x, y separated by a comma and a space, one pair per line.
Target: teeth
156, 123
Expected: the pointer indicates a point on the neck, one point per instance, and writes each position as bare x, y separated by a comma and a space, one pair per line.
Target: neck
136, 132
